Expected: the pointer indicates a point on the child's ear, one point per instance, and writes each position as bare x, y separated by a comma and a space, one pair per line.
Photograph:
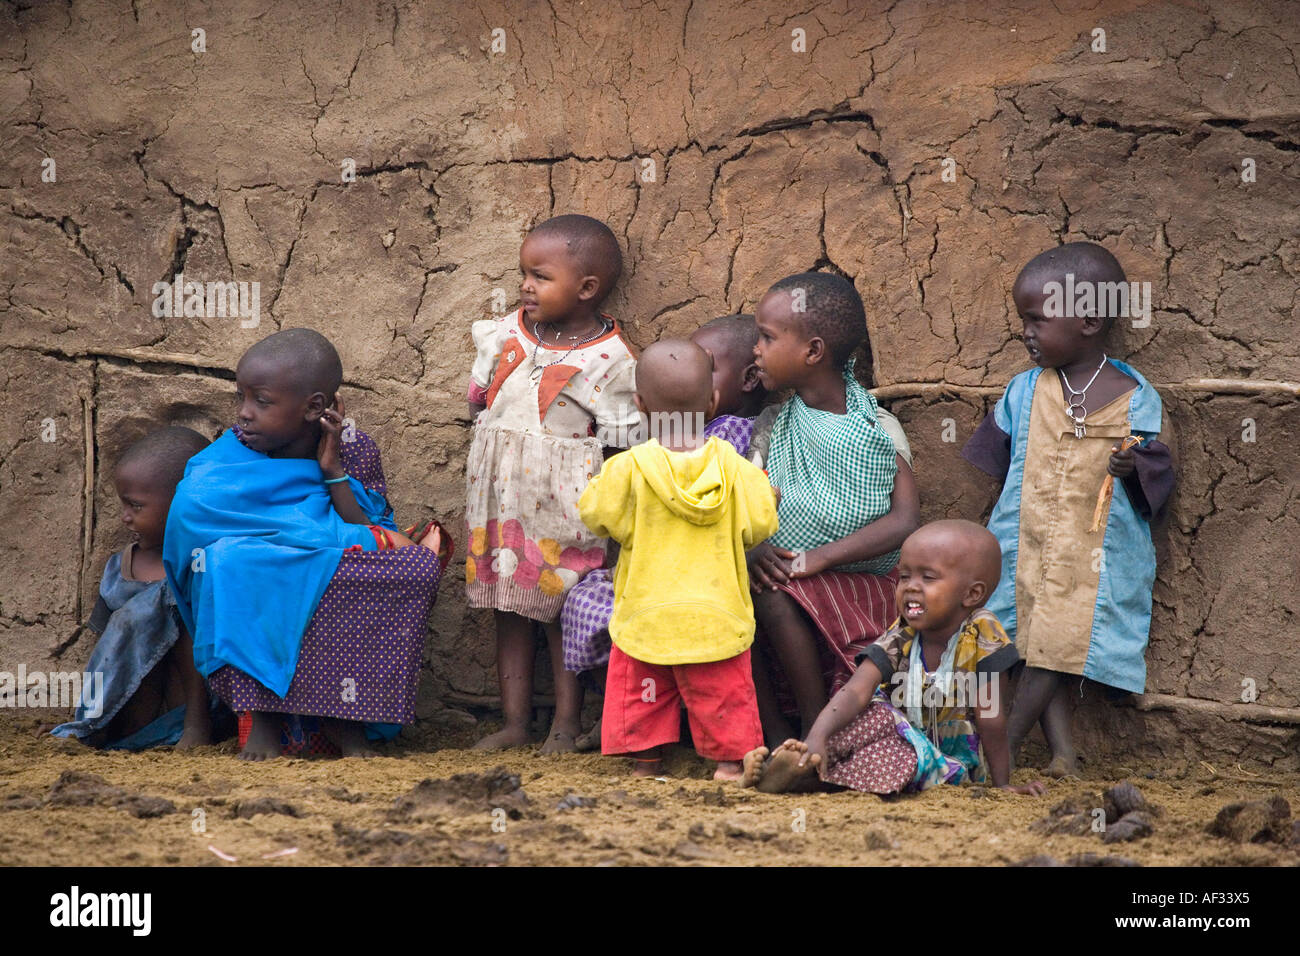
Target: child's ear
640, 405
589, 287
714, 401
317, 402
749, 379
976, 595
1092, 325
816, 351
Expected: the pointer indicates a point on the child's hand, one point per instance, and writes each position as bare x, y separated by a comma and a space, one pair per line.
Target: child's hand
1035, 788
331, 431
804, 564
1122, 461
768, 566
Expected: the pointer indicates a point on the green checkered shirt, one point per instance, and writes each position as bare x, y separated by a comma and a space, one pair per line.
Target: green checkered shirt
835, 472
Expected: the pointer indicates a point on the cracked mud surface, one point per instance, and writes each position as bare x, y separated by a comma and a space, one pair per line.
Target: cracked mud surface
226, 165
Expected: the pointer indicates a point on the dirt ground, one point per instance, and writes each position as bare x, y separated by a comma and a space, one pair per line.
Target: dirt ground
62, 803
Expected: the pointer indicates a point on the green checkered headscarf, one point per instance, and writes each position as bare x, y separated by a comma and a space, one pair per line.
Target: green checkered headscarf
835, 472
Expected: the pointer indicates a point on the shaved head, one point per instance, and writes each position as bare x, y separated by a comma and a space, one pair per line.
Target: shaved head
972, 547
1086, 261
674, 375
591, 245
302, 360
162, 455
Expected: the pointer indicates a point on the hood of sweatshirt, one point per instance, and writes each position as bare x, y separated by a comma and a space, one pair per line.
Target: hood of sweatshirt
692, 485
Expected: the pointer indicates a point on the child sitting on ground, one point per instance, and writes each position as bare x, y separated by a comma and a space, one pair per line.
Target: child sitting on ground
729, 342
547, 381
151, 695
301, 595
825, 580
945, 660
1053, 439
684, 510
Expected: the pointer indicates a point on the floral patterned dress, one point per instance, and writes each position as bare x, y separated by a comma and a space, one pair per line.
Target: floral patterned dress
550, 409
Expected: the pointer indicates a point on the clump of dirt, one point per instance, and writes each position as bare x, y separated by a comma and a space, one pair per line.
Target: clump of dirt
498, 789
247, 809
1119, 815
77, 789
1258, 821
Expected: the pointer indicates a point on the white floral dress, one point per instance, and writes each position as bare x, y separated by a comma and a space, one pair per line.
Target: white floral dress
534, 450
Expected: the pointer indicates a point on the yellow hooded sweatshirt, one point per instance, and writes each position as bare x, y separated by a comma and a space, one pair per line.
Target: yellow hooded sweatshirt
684, 520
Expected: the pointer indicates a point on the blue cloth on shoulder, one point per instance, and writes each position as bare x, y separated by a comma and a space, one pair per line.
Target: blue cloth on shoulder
251, 544
141, 630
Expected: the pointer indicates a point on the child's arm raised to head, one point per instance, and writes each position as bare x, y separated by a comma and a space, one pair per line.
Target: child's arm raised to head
991, 722
881, 536
327, 455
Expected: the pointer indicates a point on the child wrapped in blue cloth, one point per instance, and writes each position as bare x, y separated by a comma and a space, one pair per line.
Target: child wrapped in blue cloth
288, 570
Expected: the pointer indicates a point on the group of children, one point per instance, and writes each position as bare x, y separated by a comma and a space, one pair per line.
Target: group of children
678, 540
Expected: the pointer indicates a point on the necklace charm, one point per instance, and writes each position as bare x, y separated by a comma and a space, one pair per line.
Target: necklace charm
1075, 408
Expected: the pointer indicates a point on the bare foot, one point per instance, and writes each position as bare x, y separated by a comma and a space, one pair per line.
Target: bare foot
1063, 765
350, 737
504, 739
590, 740
783, 773
560, 742
263, 741
752, 766
432, 540
197, 731
728, 770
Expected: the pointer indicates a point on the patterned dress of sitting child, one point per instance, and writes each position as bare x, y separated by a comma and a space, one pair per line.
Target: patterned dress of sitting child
928, 702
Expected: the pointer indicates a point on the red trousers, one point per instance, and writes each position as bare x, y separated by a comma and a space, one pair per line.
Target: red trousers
642, 700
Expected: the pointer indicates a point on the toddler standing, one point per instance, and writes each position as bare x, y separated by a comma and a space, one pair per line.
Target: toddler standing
1077, 601
684, 510
544, 380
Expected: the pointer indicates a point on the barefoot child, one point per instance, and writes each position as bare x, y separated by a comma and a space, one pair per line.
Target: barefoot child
945, 660
684, 510
825, 581
729, 342
546, 380
281, 549
1052, 438
152, 694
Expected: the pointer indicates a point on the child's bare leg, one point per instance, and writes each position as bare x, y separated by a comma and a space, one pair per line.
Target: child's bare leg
776, 729
591, 739
1056, 721
782, 774
145, 705
794, 641
349, 736
566, 725
648, 763
515, 651
264, 738
1032, 697
197, 731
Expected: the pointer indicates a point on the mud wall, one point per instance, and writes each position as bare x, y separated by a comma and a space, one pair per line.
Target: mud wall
926, 150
